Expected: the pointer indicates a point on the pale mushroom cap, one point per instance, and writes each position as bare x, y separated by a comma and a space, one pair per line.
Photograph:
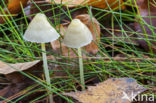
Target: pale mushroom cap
40, 30
77, 35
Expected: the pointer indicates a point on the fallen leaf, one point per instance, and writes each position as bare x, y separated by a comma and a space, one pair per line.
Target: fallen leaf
10, 68
93, 26
114, 90
69, 3
95, 3
62, 17
4, 91
19, 82
14, 7
147, 14
105, 3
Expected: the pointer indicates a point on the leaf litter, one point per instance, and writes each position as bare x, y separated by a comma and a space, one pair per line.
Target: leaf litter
110, 90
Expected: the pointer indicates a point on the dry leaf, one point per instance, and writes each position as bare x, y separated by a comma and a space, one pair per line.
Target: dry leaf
14, 7
94, 27
113, 90
69, 3
95, 3
4, 91
63, 18
19, 82
103, 4
147, 13
10, 68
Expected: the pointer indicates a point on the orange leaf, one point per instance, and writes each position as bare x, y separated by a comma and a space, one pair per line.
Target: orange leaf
14, 7
95, 3
105, 3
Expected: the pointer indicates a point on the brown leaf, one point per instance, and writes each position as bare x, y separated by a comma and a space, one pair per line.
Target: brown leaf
62, 17
94, 27
95, 3
69, 3
19, 82
4, 91
103, 4
10, 68
147, 14
14, 7
113, 90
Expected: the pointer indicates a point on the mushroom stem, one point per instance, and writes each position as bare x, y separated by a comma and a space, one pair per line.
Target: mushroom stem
46, 70
81, 68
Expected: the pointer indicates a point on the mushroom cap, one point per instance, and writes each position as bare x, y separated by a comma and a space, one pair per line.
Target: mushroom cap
40, 30
77, 35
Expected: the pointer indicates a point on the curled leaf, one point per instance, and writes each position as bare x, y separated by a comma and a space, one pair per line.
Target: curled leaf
18, 83
10, 68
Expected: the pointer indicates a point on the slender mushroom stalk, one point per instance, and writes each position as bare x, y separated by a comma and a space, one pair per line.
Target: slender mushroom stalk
77, 36
40, 31
81, 67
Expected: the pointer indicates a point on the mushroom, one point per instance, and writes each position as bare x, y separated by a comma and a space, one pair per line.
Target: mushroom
77, 36
40, 31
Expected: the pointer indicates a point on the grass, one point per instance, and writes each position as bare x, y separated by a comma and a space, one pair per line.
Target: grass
13, 49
